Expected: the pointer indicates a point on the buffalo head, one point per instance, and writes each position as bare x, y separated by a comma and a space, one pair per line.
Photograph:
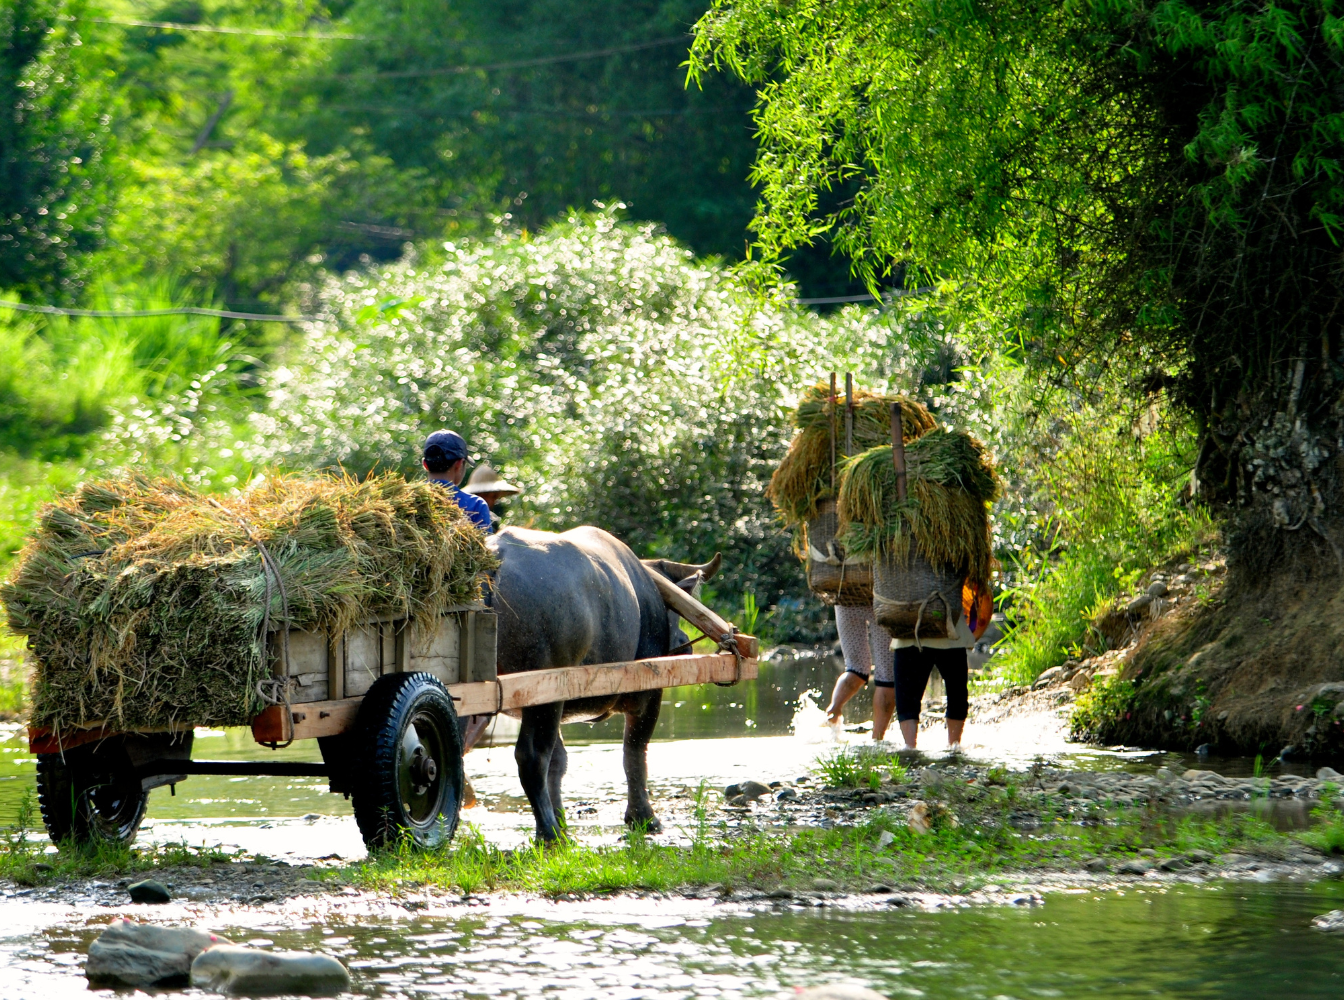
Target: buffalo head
687, 576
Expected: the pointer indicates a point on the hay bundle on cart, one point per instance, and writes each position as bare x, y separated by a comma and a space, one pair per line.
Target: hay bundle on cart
146, 604
925, 546
805, 487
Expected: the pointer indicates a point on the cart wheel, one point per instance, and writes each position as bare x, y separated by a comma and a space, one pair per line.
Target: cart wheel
90, 794
410, 779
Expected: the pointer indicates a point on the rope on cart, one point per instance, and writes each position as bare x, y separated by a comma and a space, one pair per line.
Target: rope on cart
728, 644
271, 690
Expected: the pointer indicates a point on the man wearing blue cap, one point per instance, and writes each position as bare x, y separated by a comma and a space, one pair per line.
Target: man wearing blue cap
445, 461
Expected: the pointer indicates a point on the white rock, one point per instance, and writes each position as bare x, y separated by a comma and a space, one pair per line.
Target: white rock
128, 954
885, 838
1049, 677
838, 991
1332, 921
250, 971
1328, 774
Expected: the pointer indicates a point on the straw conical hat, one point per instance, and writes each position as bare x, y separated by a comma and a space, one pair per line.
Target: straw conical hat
486, 480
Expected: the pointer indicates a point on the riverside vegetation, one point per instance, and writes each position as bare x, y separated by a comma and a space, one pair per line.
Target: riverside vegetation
890, 830
625, 384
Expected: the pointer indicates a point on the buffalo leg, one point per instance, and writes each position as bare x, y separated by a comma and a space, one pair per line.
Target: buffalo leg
640, 721
537, 738
555, 776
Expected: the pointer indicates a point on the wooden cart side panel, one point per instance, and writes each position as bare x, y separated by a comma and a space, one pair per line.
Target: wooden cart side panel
363, 659
325, 668
481, 661
442, 657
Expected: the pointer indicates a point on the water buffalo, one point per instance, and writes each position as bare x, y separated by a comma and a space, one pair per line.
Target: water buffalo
575, 598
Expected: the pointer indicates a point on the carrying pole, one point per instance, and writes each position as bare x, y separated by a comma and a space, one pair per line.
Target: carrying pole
830, 424
898, 449
849, 414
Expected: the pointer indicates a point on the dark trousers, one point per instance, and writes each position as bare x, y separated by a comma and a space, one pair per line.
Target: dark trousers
912, 677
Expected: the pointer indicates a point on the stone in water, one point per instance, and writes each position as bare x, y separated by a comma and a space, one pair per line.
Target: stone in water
148, 891
1329, 922
128, 954
754, 790
252, 972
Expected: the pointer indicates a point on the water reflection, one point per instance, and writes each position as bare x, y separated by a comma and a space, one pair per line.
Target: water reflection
1230, 942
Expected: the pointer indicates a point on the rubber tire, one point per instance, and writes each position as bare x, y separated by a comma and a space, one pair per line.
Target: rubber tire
90, 795
386, 814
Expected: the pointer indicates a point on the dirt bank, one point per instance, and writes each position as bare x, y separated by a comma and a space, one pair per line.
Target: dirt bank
1244, 666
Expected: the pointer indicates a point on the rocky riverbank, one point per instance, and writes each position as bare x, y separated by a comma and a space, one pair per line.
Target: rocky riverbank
866, 828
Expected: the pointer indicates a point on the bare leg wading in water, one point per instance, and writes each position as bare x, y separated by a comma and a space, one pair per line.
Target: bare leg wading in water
867, 647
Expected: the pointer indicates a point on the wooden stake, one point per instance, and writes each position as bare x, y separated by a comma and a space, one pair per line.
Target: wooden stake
898, 449
849, 414
830, 423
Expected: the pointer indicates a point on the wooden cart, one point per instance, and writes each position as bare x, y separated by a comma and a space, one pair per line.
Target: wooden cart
388, 708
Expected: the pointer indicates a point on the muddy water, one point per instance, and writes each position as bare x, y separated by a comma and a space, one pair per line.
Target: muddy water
712, 734
1236, 941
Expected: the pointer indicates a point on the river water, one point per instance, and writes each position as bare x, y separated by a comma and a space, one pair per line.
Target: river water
1226, 940
1230, 941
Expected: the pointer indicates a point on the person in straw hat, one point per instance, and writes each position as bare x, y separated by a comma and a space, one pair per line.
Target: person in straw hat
490, 486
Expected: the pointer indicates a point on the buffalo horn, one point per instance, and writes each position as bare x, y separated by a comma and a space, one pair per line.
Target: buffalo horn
680, 571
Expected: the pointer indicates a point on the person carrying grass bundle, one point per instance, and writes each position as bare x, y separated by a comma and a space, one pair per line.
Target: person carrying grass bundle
921, 515
804, 490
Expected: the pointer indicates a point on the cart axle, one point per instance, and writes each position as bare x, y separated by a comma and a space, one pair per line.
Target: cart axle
269, 768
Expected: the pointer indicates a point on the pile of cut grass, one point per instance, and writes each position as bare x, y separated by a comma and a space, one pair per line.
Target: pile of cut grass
950, 484
144, 602
805, 477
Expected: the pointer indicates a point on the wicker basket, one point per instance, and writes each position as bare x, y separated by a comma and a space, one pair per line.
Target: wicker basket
914, 600
832, 577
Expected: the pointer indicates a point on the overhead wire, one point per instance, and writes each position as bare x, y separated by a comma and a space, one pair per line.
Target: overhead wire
387, 74
146, 313
401, 74
224, 30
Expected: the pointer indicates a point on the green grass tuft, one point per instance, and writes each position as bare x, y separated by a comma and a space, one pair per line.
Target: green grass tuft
859, 768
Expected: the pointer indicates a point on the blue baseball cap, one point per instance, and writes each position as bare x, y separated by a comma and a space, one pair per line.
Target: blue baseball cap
452, 444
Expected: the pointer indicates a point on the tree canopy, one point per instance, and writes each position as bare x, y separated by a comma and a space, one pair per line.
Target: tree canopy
1157, 184
54, 131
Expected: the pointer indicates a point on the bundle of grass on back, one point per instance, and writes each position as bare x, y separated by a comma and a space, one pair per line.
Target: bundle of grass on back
950, 483
145, 602
804, 478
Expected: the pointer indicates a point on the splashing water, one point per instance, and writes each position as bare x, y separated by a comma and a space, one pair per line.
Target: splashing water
810, 724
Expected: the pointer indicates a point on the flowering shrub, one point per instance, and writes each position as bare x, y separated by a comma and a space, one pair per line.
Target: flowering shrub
620, 381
